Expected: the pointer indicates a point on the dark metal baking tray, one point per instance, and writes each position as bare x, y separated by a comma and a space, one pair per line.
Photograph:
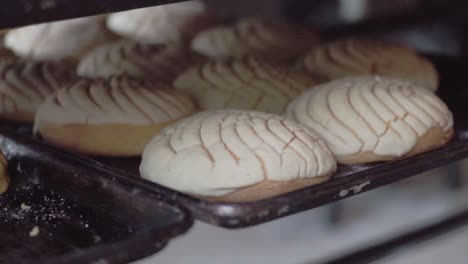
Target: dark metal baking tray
348, 181
84, 213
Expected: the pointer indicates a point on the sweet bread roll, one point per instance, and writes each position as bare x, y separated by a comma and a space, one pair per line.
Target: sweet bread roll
369, 56
162, 24
236, 156
24, 85
4, 177
370, 118
68, 39
111, 117
252, 36
158, 61
244, 84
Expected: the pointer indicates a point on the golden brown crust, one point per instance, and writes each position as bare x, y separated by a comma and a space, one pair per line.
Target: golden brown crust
268, 189
100, 140
4, 177
435, 138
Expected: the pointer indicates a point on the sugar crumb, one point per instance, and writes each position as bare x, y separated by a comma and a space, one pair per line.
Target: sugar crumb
34, 232
25, 207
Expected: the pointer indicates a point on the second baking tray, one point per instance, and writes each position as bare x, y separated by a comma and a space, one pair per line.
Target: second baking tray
348, 181
62, 209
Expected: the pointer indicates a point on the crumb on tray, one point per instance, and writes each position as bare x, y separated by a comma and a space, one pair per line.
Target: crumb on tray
34, 232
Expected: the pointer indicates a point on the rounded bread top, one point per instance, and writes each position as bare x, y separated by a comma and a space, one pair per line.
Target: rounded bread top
256, 37
159, 24
57, 40
247, 83
361, 56
24, 85
157, 61
214, 153
117, 100
370, 114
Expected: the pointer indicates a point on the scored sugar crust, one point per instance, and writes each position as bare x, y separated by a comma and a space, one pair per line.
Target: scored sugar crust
256, 37
362, 56
68, 39
157, 61
24, 85
114, 117
236, 156
371, 118
162, 24
4, 177
244, 84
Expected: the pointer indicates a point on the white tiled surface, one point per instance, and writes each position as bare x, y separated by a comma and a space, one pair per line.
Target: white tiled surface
308, 237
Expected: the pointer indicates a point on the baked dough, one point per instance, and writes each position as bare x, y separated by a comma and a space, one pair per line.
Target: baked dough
236, 156
244, 84
157, 61
68, 39
111, 117
4, 177
370, 118
162, 24
360, 56
24, 85
252, 36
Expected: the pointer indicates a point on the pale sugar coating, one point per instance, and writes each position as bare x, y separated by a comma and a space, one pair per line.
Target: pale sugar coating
359, 56
244, 84
215, 153
380, 116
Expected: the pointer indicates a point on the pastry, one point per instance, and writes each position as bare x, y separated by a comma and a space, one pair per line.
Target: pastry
110, 117
4, 177
371, 118
236, 156
369, 56
161, 24
244, 84
68, 39
158, 61
252, 36
24, 85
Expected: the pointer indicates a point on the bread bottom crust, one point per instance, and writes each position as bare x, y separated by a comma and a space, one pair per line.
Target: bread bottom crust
4, 177
101, 140
19, 116
435, 137
267, 189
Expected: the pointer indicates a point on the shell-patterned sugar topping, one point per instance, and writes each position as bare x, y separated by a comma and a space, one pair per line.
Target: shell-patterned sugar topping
256, 37
116, 100
370, 114
244, 84
360, 56
25, 84
214, 153
158, 24
57, 40
157, 61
